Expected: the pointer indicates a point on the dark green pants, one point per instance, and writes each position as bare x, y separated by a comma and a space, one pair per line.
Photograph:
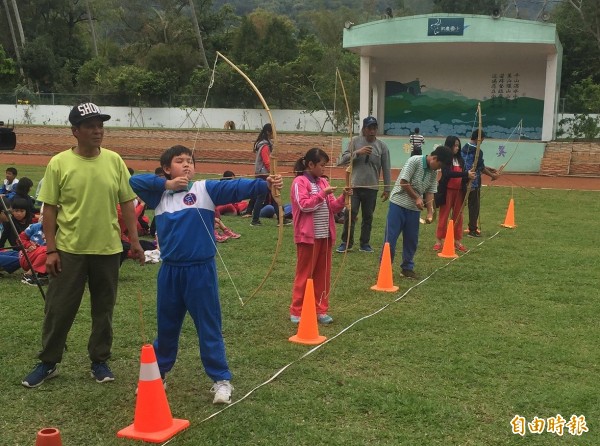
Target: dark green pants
63, 299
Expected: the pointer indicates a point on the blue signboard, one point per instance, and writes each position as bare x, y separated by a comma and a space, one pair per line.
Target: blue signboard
446, 26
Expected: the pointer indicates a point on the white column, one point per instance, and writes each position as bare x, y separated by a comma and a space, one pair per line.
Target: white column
365, 87
375, 101
550, 98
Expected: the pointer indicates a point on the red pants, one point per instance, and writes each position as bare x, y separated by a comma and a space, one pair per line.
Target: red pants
313, 261
454, 201
38, 260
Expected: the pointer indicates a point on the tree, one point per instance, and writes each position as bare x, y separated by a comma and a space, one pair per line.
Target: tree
469, 6
244, 42
583, 97
13, 35
40, 64
581, 54
198, 34
8, 68
92, 29
279, 43
589, 16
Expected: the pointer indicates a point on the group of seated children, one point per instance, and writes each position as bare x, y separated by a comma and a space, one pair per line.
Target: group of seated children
27, 245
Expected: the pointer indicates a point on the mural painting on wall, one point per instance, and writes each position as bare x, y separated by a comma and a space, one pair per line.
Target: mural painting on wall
439, 112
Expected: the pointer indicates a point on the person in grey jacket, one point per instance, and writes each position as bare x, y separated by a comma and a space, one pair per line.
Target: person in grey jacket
370, 158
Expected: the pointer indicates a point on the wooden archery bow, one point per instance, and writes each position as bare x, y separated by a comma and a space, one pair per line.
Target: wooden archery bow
348, 174
275, 193
475, 160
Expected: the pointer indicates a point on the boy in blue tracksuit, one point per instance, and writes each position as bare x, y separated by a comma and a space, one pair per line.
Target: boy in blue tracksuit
474, 195
187, 279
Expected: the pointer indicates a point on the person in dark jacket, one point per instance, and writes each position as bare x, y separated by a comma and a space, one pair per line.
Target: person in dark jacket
452, 189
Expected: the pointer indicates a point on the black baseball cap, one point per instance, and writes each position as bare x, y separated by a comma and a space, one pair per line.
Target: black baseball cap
369, 120
84, 111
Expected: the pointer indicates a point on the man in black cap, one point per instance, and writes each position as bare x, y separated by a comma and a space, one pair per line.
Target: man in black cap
82, 187
370, 157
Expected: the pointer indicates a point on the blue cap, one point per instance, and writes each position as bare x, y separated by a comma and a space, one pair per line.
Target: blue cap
369, 120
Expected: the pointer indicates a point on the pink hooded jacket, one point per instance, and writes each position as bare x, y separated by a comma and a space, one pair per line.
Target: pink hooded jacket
304, 202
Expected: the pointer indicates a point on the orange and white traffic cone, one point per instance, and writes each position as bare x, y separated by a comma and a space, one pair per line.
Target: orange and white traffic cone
448, 250
385, 279
153, 421
308, 330
509, 221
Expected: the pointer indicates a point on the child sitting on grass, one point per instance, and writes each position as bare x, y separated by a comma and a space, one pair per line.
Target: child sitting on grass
21, 216
226, 233
34, 243
187, 279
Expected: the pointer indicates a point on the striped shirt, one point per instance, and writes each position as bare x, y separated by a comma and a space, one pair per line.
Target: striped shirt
421, 178
320, 216
417, 140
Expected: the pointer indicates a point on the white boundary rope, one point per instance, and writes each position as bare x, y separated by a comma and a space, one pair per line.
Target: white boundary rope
328, 340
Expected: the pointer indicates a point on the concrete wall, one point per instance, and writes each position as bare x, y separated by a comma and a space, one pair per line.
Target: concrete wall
174, 118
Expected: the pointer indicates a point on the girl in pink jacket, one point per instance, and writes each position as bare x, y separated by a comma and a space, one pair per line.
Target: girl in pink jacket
313, 208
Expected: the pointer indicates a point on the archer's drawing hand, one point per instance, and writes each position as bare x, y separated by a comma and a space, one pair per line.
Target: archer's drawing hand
471, 175
330, 189
179, 183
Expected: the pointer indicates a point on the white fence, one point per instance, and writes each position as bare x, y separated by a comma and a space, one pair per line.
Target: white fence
175, 118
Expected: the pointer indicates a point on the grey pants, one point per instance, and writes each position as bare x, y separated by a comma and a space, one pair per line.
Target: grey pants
365, 199
63, 299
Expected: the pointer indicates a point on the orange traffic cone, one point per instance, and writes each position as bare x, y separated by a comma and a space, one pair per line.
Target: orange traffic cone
152, 421
308, 331
385, 280
49, 436
509, 221
448, 249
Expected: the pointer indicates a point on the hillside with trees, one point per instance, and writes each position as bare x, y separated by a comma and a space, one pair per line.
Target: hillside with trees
162, 52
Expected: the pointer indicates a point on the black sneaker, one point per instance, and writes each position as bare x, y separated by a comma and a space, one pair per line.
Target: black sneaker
409, 274
101, 372
286, 222
43, 279
473, 234
255, 223
40, 373
28, 279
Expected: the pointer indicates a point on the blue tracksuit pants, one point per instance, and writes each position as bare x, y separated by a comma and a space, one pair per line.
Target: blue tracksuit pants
406, 222
193, 289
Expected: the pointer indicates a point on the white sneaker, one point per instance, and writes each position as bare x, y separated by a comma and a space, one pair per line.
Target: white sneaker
222, 391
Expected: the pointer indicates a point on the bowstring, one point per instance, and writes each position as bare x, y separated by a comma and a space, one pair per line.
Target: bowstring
211, 237
329, 241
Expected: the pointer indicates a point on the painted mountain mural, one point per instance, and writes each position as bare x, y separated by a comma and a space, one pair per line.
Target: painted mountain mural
443, 113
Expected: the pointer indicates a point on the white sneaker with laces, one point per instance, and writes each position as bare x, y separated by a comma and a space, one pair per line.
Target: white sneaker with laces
222, 391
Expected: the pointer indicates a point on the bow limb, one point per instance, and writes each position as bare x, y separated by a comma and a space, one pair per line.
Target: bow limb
348, 180
476, 159
275, 193
348, 201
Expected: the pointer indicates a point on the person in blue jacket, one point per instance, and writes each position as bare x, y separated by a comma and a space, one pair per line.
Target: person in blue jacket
187, 280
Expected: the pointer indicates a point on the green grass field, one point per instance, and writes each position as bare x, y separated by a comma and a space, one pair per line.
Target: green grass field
510, 328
